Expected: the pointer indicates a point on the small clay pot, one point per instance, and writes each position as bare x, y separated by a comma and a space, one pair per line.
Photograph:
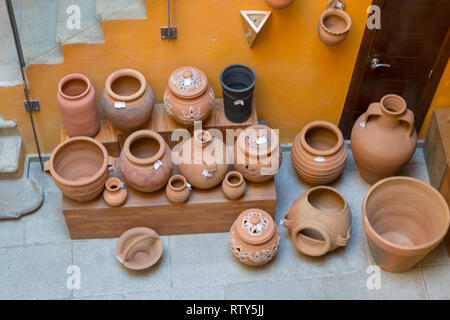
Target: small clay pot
254, 237
233, 186
76, 100
404, 219
127, 99
139, 248
278, 4
334, 24
319, 221
114, 195
177, 189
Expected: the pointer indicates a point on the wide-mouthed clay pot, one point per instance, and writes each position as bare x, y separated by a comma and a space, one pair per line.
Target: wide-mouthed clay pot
233, 186
319, 153
203, 160
114, 194
76, 100
257, 153
139, 248
127, 99
145, 161
404, 219
319, 220
334, 23
254, 237
188, 97
383, 138
278, 4
79, 167
178, 189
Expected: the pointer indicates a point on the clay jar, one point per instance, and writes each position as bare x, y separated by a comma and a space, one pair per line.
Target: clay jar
127, 99
334, 24
188, 97
404, 219
319, 153
383, 138
233, 186
177, 189
254, 237
114, 194
76, 100
203, 160
79, 167
145, 161
257, 153
319, 221
278, 4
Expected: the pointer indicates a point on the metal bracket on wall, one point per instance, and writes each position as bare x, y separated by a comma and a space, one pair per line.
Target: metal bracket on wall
32, 105
168, 32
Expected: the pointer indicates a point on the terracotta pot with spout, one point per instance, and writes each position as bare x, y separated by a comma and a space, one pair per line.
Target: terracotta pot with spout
334, 23
278, 4
178, 189
114, 194
233, 186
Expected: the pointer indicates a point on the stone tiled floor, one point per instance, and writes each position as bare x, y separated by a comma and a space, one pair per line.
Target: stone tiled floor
36, 251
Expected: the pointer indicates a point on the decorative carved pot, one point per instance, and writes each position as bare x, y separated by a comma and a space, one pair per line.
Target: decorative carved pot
383, 138
319, 221
115, 193
334, 23
233, 186
319, 153
254, 237
127, 99
188, 97
145, 161
76, 100
177, 189
278, 4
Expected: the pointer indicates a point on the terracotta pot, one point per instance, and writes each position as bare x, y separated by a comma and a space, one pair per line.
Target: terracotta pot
114, 194
178, 190
254, 237
319, 221
79, 167
319, 153
384, 138
278, 4
404, 219
145, 161
139, 248
257, 153
127, 99
233, 186
76, 100
203, 160
334, 23
188, 97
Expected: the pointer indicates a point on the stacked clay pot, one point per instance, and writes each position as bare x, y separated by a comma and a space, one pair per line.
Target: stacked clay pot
278, 4
233, 186
334, 23
177, 189
257, 153
79, 167
383, 138
188, 97
114, 194
319, 221
145, 161
319, 153
254, 237
76, 100
127, 99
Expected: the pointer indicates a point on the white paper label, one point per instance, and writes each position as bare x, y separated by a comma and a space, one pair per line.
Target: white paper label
237, 102
157, 164
261, 140
207, 174
362, 124
119, 104
118, 258
188, 185
122, 185
319, 159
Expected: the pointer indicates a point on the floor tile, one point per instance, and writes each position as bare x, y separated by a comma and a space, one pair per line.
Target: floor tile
437, 280
210, 293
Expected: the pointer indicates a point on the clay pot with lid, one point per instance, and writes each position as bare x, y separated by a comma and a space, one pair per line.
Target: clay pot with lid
178, 189
233, 186
319, 153
76, 100
115, 193
254, 237
188, 96
383, 138
319, 221
127, 99
334, 23
404, 219
278, 4
79, 167
145, 161
257, 153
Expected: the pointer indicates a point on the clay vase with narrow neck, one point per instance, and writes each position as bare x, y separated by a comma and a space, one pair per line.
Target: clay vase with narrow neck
203, 160
114, 194
178, 189
278, 4
383, 138
319, 221
76, 100
127, 99
145, 161
233, 186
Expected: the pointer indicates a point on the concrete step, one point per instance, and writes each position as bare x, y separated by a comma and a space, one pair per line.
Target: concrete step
12, 153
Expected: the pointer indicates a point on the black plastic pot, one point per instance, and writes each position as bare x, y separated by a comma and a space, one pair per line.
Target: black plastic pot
238, 82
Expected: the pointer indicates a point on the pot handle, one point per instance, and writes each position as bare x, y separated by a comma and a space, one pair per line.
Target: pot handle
373, 110
285, 220
47, 167
343, 241
408, 117
135, 242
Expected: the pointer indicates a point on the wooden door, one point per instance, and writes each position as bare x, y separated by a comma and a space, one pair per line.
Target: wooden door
412, 47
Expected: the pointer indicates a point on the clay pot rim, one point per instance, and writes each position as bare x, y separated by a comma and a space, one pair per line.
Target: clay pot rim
311, 190
370, 231
323, 125
177, 177
396, 97
234, 174
74, 76
196, 94
140, 135
124, 73
341, 14
243, 146
113, 181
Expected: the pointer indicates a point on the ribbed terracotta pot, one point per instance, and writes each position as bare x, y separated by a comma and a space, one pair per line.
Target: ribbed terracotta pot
334, 24
278, 4
319, 153
178, 189
114, 194
79, 167
384, 138
404, 219
76, 100
127, 99
319, 220
145, 161
233, 186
